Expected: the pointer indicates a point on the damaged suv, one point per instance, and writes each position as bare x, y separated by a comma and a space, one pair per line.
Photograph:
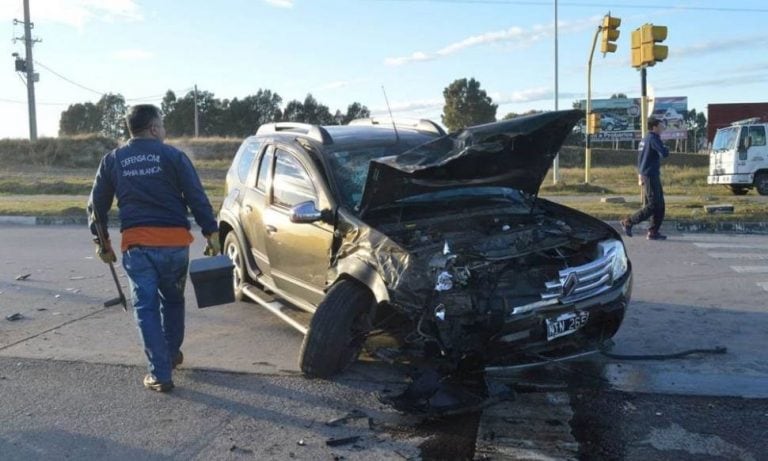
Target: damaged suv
436, 242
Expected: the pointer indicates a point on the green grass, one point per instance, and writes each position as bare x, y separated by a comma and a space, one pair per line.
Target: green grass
47, 191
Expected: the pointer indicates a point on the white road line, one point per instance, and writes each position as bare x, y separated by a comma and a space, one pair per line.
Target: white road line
752, 256
751, 269
763, 285
711, 245
719, 237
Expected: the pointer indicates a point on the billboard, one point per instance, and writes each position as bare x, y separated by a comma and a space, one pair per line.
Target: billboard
620, 117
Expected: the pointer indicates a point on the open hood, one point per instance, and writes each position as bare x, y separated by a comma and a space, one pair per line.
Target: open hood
513, 153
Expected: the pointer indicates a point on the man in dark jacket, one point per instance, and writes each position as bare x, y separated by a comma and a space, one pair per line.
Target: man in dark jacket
155, 184
652, 150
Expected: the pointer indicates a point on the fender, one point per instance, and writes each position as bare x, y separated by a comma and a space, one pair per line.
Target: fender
362, 272
231, 221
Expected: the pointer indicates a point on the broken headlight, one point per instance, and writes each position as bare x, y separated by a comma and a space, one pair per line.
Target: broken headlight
614, 249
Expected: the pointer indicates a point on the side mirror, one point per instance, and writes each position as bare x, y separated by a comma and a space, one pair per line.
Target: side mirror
306, 212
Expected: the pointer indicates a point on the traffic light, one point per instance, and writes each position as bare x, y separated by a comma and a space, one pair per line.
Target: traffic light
637, 40
593, 123
610, 33
650, 52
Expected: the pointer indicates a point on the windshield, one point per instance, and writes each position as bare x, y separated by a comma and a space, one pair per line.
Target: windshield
725, 139
350, 168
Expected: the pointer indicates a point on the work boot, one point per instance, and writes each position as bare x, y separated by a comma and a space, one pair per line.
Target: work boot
151, 383
626, 226
178, 360
656, 236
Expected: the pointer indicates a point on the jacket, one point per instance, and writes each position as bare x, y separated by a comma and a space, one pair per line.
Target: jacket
651, 152
155, 184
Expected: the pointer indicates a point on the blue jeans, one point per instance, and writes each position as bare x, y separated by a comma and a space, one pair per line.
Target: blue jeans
158, 276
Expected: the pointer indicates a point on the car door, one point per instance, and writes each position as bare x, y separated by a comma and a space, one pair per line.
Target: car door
758, 150
299, 254
252, 211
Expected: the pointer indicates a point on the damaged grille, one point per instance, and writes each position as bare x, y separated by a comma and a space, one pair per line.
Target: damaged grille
581, 282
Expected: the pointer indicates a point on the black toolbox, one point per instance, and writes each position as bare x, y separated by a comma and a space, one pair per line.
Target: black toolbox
212, 280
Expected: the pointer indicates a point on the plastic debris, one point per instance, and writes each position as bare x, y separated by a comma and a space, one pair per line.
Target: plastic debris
14, 317
23, 276
301, 443
342, 441
352, 415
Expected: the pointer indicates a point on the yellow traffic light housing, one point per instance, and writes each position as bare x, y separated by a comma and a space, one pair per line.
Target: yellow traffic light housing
593, 123
650, 52
610, 33
637, 60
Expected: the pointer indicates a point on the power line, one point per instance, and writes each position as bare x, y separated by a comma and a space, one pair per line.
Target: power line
101, 93
592, 5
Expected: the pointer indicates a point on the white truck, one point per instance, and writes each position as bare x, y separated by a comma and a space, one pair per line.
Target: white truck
739, 157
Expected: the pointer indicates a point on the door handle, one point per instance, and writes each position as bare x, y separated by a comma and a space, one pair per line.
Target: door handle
271, 229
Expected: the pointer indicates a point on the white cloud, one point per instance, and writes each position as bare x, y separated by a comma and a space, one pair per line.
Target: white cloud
418, 56
516, 36
280, 3
75, 13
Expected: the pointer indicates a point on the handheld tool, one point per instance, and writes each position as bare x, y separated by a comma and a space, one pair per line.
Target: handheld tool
102, 239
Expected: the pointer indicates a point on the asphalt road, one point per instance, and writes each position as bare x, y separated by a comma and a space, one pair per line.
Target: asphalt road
70, 370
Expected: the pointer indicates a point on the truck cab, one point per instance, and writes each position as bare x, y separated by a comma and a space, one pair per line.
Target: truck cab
739, 157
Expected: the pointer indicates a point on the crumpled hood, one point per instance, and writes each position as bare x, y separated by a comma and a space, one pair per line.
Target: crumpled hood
513, 153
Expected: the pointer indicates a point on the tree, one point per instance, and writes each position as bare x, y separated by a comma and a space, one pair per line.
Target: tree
354, 111
512, 115
180, 114
244, 116
466, 105
106, 117
618, 96
310, 111
79, 119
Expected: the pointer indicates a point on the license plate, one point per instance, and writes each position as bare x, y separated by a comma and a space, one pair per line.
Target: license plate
566, 324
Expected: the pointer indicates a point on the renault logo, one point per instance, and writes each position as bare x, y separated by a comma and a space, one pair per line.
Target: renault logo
570, 284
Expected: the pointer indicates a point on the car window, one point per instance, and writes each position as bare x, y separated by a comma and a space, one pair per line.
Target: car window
266, 160
758, 135
245, 158
291, 184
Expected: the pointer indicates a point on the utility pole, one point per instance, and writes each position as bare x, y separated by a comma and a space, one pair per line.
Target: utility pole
556, 161
28, 67
197, 122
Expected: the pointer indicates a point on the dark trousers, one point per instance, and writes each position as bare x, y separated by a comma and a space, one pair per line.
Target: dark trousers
653, 197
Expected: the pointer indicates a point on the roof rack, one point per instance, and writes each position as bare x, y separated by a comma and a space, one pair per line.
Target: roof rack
420, 124
746, 121
315, 132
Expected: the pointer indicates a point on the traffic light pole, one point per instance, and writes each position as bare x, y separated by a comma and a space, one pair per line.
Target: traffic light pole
588, 144
643, 102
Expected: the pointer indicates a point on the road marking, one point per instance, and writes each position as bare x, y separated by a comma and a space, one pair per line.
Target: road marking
763, 285
751, 269
719, 237
711, 245
738, 255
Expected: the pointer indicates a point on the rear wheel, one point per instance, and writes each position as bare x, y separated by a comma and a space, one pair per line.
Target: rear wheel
234, 252
338, 330
761, 183
738, 190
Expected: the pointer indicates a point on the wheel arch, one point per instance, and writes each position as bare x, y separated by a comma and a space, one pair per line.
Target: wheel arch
365, 275
227, 224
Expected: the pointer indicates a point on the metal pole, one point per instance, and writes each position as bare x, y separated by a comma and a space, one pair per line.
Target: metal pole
556, 161
643, 102
197, 123
30, 74
588, 148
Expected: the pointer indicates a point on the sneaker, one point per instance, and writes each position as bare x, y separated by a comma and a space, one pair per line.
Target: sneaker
151, 383
178, 360
626, 226
656, 236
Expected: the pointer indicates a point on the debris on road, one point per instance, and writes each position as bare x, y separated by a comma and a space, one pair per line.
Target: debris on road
342, 441
14, 317
352, 415
23, 276
301, 443
242, 451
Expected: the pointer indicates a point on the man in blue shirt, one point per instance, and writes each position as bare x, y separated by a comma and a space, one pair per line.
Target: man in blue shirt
155, 185
652, 150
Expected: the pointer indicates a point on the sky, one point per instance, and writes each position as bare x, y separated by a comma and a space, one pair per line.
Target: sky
344, 51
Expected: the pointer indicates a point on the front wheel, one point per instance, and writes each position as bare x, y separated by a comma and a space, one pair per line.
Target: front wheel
761, 183
338, 330
234, 252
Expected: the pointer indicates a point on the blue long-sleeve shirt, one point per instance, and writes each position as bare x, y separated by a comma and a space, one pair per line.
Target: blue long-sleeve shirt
650, 155
154, 184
